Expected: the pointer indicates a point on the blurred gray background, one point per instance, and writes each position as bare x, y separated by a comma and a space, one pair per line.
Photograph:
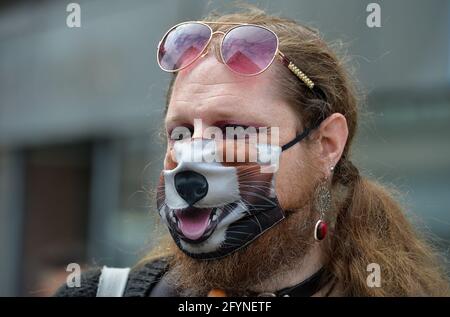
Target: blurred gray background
81, 109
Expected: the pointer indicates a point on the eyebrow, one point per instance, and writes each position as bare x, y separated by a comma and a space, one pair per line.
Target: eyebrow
221, 113
223, 109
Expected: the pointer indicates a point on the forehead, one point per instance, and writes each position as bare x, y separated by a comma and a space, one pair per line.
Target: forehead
210, 84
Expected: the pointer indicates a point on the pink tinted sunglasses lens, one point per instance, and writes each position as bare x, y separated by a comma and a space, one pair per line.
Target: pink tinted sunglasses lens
249, 49
182, 45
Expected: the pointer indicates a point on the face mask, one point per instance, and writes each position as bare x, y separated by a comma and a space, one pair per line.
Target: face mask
213, 209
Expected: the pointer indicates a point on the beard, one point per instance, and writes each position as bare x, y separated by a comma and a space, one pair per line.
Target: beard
277, 250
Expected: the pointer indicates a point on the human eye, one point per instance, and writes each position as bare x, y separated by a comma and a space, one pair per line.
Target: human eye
180, 132
235, 131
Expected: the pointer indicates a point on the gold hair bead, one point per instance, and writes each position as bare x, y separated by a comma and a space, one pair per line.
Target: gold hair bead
308, 82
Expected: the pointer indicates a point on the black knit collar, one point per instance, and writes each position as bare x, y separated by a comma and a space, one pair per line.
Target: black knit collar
154, 272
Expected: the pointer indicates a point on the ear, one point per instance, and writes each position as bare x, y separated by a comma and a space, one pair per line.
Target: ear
332, 137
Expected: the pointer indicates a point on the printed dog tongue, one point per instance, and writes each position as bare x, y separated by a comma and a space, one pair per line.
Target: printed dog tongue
193, 222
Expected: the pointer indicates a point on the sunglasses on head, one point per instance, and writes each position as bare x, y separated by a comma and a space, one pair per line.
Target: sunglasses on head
246, 49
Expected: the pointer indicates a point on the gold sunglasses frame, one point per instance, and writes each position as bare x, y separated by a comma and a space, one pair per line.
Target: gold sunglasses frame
292, 67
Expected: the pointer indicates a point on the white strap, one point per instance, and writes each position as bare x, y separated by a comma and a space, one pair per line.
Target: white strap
112, 282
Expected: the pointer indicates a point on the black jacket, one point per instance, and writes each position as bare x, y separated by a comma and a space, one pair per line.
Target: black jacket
143, 281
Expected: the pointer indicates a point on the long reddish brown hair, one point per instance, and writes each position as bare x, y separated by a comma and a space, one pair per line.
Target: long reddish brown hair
370, 225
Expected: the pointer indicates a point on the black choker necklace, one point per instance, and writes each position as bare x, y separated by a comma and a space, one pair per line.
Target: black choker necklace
307, 288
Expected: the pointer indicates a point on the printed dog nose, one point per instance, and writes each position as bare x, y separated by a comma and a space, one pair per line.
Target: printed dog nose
191, 186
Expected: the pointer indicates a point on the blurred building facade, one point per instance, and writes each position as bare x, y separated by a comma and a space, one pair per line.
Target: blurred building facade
81, 111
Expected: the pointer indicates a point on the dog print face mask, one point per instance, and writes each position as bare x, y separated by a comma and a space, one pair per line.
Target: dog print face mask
212, 207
